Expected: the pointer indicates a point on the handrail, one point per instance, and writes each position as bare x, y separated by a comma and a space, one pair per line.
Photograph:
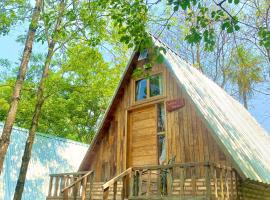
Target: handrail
78, 180
115, 179
73, 173
190, 164
184, 165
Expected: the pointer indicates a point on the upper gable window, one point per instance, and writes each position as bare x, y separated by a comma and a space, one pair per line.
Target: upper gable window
143, 55
148, 87
141, 89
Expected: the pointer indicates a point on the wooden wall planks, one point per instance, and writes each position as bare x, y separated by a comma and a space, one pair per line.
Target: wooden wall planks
187, 136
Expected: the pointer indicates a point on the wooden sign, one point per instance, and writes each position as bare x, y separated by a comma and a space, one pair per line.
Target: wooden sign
174, 104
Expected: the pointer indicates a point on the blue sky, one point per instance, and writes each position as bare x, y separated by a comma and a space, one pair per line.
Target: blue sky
11, 50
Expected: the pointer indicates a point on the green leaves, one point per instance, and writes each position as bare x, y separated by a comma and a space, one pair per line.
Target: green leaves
194, 36
201, 18
264, 35
77, 94
11, 12
184, 4
217, 15
130, 18
209, 38
234, 1
230, 25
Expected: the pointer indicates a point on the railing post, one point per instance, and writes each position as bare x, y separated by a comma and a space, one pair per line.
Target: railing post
140, 183
193, 180
106, 193
62, 184
84, 182
214, 172
74, 189
115, 190
148, 190
91, 179
124, 187
227, 184
208, 181
222, 183
159, 183
56, 186
50, 186
66, 194
169, 180
131, 184
232, 184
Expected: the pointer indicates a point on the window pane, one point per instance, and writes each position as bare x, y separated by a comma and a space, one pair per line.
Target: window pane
155, 85
143, 54
141, 89
161, 149
161, 118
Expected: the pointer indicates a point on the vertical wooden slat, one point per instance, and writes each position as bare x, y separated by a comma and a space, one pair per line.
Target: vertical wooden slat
84, 186
159, 184
232, 185
131, 184
91, 180
169, 174
115, 190
123, 194
136, 183
74, 188
193, 181
227, 184
78, 188
56, 186
50, 186
66, 194
215, 181
69, 181
182, 182
208, 182
140, 183
62, 184
106, 193
148, 190
237, 186
222, 183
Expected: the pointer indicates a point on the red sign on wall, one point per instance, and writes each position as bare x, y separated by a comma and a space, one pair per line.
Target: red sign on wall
174, 104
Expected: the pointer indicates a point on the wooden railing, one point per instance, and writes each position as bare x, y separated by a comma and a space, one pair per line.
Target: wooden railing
188, 180
70, 185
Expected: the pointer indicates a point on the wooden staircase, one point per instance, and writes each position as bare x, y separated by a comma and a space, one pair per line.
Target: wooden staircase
97, 192
79, 186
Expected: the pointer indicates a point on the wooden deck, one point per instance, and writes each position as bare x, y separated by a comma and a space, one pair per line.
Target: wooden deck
177, 181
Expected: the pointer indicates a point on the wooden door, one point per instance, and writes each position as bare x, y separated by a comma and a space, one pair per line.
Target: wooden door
143, 137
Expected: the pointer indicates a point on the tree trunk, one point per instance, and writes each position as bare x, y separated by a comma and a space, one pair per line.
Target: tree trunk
5, 138
268, 56
198, 57
39, 103
245, 100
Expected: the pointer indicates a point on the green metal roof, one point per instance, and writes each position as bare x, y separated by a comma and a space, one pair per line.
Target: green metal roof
232, 125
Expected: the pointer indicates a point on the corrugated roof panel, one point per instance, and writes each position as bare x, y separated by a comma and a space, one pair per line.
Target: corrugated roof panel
50, 155
244, 139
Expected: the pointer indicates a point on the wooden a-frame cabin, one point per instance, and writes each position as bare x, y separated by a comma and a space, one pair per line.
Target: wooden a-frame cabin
173, 134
